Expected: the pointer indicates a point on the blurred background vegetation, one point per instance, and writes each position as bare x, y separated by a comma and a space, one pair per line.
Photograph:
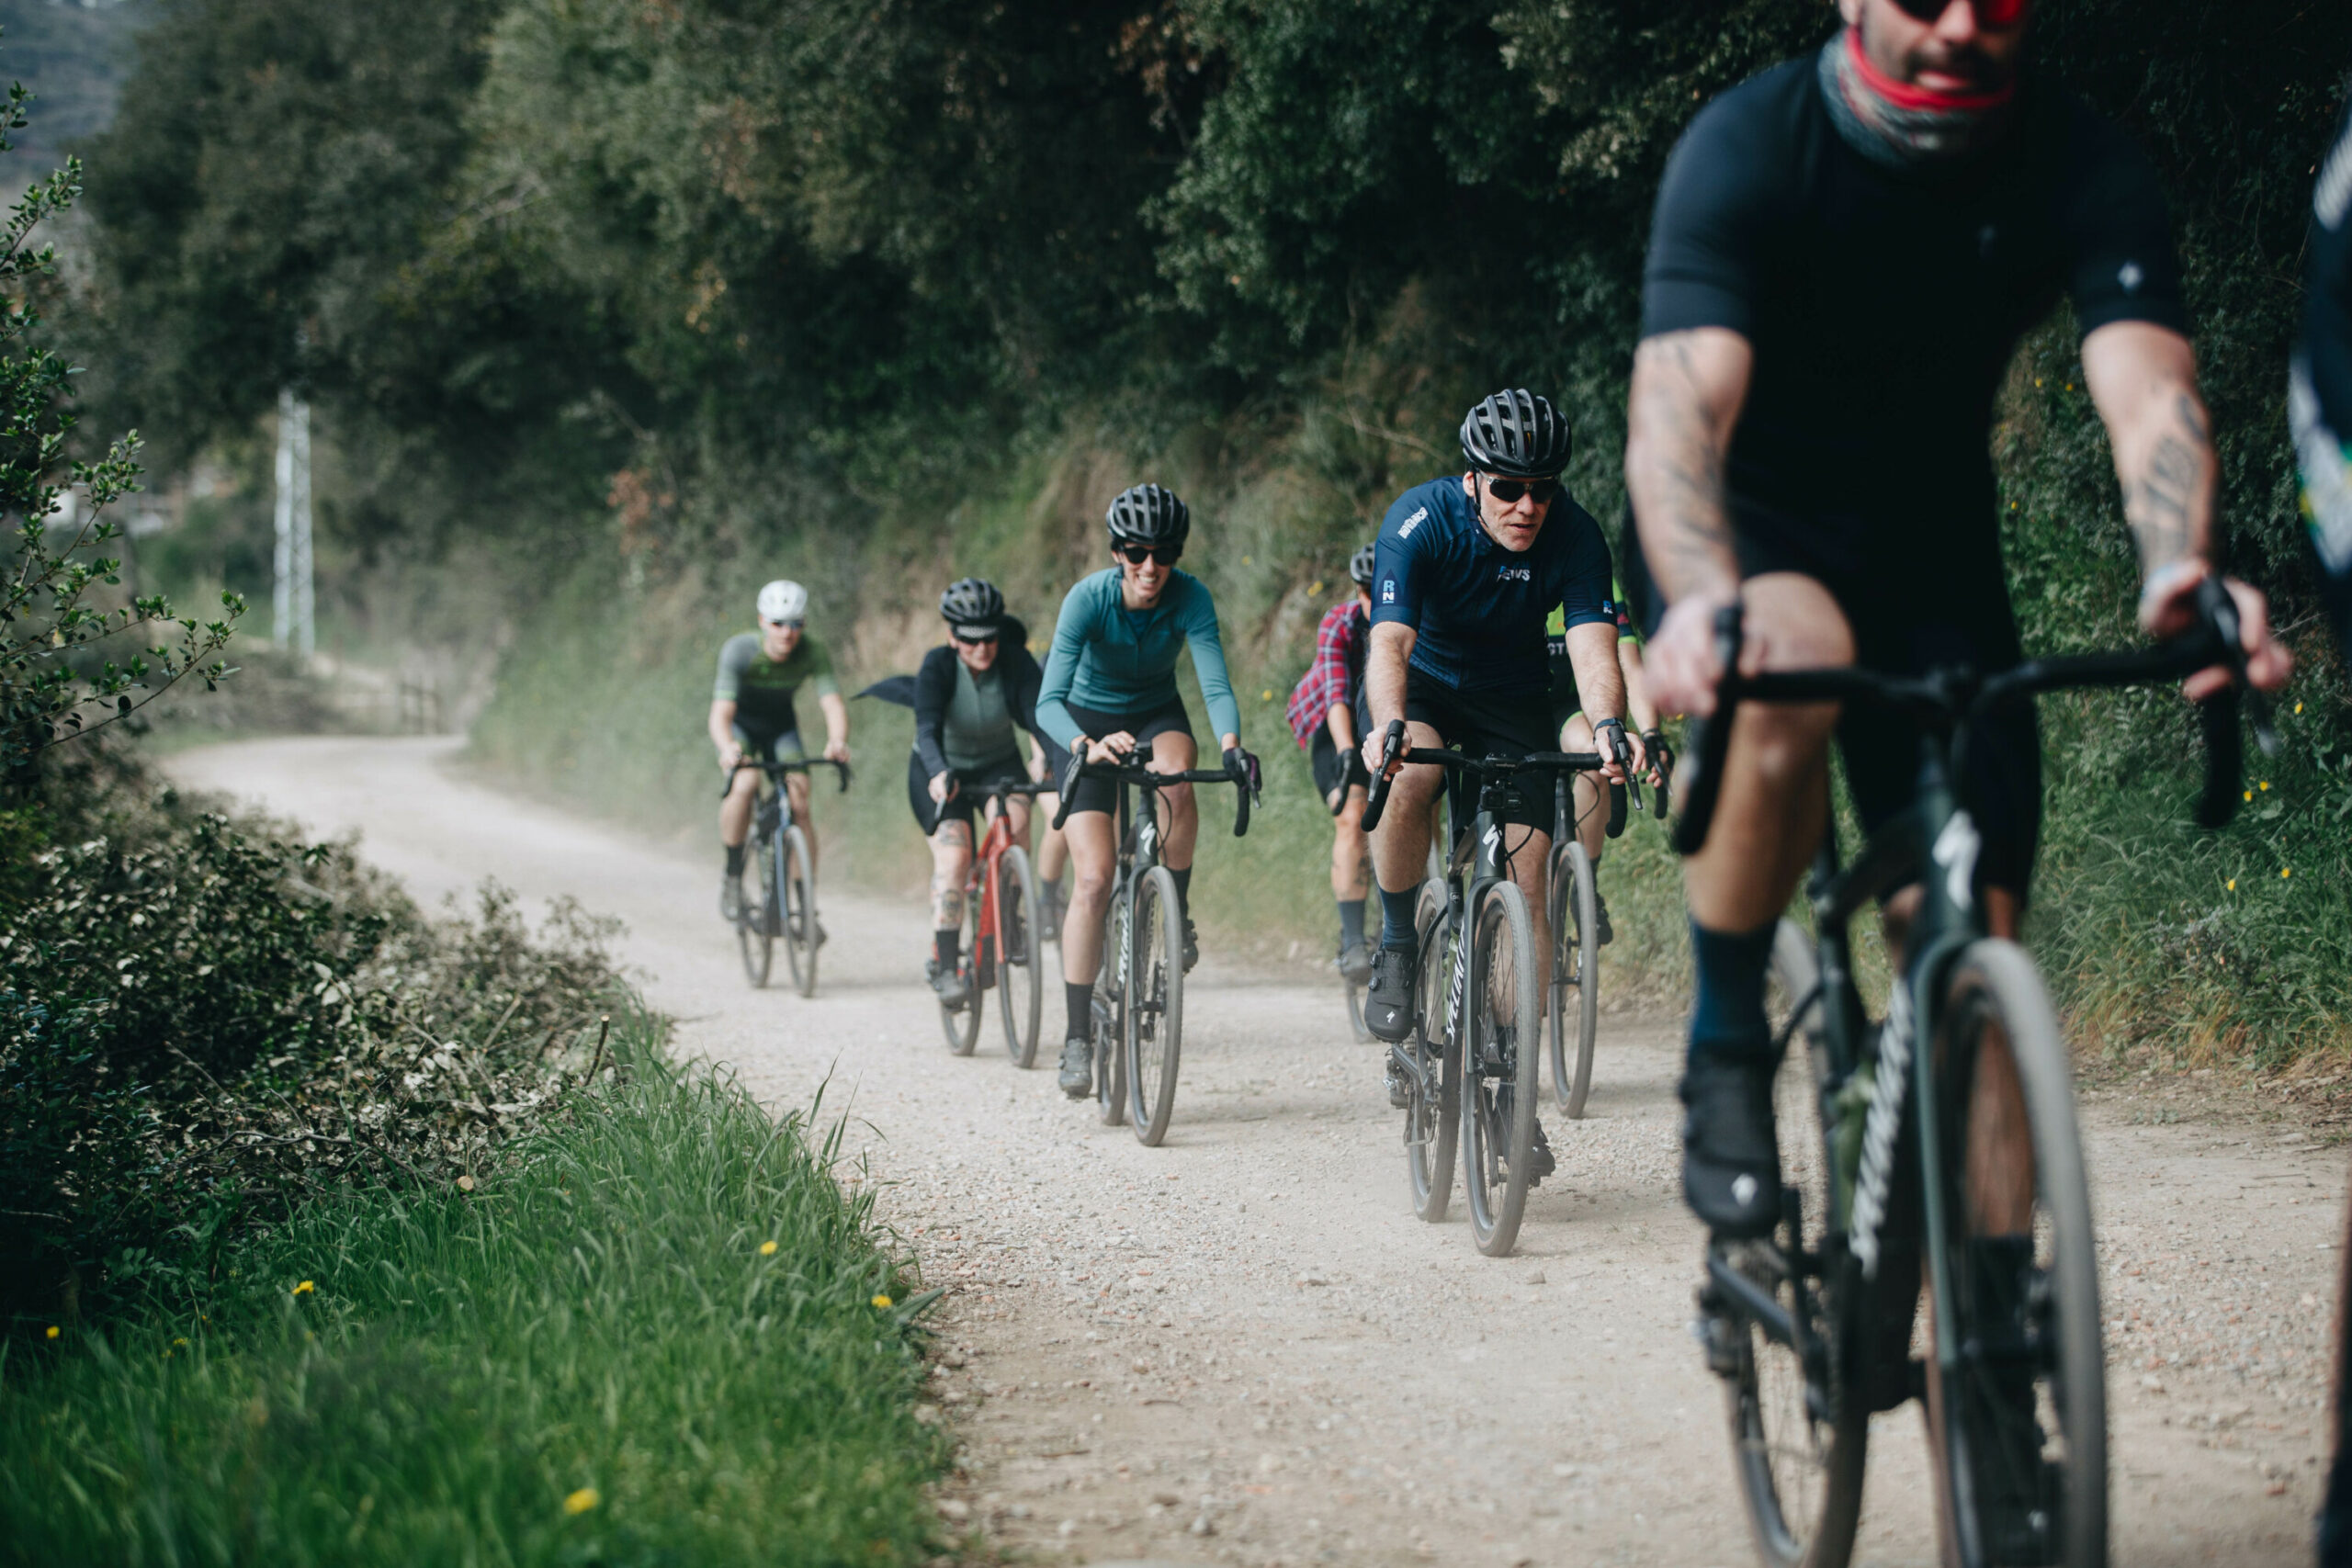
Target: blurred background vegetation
611, 310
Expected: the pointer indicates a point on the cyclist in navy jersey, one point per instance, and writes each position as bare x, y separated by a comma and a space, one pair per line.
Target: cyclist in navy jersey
1465, 570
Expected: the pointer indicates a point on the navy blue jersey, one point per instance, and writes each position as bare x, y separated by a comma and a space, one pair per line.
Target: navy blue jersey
1478, 609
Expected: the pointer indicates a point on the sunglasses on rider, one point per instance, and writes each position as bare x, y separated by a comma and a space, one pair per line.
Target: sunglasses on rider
1508, 491
1136, 554
1989, 13
972, 636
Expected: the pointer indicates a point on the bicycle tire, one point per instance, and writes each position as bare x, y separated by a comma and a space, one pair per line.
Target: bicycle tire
799, 910
1433, 1127
1576, 949
755, 924
1354, 993
1019, 967
1800, 1469
1152, 1027
2055, 1460
1498, 1103
1109, 1018
962, 1024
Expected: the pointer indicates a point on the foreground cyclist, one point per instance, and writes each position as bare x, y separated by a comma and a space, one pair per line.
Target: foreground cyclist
752, 715
1818, 455
972, 699
1324, 711
1576, 733
1110, 688
1467, 567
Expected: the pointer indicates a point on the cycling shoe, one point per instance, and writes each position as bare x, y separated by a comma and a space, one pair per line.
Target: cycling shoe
1355, 964
1731, 1159
1603, 934
1388, 1002
1191, 945
730, 898
1540, 1161
1078, 1067
946, 983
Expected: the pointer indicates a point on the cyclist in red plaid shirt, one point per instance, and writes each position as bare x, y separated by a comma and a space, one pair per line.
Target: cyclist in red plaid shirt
1327, 715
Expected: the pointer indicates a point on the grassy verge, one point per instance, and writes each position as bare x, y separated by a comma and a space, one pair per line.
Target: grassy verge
654, 1332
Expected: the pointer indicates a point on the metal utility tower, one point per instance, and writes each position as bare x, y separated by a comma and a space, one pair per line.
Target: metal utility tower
290, 598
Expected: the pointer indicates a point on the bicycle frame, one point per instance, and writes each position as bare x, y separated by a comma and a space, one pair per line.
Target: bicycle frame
983, 879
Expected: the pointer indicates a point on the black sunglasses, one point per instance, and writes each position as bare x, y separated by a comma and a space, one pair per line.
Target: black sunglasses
1165, 554
972, 636
1508, 491
1989, 13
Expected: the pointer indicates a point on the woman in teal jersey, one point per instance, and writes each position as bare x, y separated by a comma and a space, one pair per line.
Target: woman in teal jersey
1110, 687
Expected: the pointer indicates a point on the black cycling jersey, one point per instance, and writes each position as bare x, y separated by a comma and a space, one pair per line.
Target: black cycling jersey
1884, 305
2319, 395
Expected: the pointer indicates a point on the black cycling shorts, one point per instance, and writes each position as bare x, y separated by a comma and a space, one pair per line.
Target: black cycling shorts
763, 745
1484, 724
1103, 795
1334, 770
972, 793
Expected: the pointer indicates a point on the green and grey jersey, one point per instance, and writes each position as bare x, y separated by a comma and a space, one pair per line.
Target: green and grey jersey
762, 688
977, 731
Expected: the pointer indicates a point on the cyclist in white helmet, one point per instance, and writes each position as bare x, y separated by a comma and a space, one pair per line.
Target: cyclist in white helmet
752, 715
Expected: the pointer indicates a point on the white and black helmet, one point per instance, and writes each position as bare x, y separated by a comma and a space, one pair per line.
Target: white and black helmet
784, 602
973, 604
1517, 434
1360, 566
1148, 514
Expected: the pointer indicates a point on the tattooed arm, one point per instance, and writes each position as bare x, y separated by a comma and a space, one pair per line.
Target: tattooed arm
1688, 388
2143, 378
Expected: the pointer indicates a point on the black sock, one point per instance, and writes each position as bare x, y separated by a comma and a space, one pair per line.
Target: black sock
1081, 1000
1183, 889
1727, 1019
734, 860
1397, 919
1352, 922
944, 945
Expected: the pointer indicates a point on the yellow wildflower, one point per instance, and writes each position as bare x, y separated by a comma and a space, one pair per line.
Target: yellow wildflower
2299, 707
882, 1303
2232, 885
2286, 871
2249, 794
52, 1331
767, 1249
2266, 783
179, 1341
580, 1502
1267, 695
1315, 586
303, 1289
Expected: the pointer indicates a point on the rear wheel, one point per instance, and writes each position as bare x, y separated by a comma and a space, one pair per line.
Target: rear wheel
756, 924
1499, 1072
799, 923
1433, 1115
1153, 1035
1799, 1432
1020, 968
1575, 973
2019, 1425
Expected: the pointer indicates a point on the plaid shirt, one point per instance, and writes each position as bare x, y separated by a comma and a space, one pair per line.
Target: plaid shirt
1339, 645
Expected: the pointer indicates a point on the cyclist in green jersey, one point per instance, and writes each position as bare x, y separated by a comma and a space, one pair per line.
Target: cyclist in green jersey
752, 715
1587, 804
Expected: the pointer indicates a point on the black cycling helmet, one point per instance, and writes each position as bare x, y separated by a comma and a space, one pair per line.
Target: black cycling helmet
1360, 566
1517, 434
1148, 514
972, 602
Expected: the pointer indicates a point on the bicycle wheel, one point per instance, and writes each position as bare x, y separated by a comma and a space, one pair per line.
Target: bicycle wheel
1153, 1035
799, 924
1576, 975
755, 924
962, 1024
1501, 1063
1020, 968
1355, 1010
1799, 1459
2020, 1432
1110, 1022
1432, 1121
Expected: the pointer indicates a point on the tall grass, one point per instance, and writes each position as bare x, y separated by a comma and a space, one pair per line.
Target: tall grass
658, 1332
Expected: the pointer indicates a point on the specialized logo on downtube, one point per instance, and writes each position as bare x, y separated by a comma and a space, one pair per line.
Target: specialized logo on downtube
1457, 984
1956, 850
1879, 1130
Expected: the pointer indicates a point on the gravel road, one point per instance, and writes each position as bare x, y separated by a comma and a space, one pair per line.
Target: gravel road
1242, 1348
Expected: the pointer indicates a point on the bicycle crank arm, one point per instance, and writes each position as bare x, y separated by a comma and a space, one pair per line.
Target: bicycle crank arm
1748, 1299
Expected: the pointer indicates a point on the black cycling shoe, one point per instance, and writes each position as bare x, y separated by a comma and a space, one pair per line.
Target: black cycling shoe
730, 897
1388, 1001
1191, 945
1078, 1067
1400, 1088
946, 983
1540, 1161
1355, 963
1731, 1159
1603, 934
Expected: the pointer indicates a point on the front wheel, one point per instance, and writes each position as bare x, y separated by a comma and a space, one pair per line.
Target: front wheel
2019, 1422
1499, 1066
1110, 1021
1153, 1035
757, 922
1576, 975
800, 905
1020, 967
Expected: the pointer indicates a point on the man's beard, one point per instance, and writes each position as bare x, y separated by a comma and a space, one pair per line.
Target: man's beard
1901, 125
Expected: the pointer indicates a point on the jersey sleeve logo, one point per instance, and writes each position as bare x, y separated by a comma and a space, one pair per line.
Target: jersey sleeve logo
1388, 590
1405, 530
2131, 276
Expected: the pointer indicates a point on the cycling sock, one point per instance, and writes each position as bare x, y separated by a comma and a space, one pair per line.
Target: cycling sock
1397, 919
944, 946
1350, 922
734, 860
1183, 887
1727, 1019
1081, 1000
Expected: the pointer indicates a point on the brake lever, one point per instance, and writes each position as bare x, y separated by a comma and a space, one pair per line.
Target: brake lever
2220, 612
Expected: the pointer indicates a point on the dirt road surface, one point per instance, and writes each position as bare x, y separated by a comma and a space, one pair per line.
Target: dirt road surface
1242, 1348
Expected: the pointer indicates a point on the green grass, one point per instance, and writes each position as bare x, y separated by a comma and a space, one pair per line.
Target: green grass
594, 1323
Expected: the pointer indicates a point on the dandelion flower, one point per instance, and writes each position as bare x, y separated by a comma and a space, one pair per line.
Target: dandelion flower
303, 1289
580, 1502
179, 1341
2231, 885
2249, 794
1267, 695
882, 1303
2286, 871
52, 1331
767, 1249
1315, 586
2299, 707
2266, 783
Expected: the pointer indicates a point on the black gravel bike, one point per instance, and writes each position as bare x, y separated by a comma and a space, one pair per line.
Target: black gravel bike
1906, 1148
1472, 1061
1139, 990
786, 904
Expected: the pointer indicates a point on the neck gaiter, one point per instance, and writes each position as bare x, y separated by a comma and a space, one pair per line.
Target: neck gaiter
1897, 125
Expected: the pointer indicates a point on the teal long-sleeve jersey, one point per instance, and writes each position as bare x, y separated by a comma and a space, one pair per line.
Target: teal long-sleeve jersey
1114, 659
